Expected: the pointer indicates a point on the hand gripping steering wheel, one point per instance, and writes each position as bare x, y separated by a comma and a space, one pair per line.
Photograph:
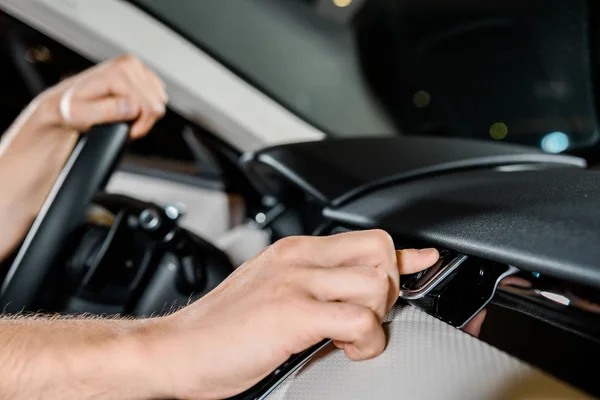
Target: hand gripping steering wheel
87, 170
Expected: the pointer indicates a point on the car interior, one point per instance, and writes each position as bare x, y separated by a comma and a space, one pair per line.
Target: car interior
481, 140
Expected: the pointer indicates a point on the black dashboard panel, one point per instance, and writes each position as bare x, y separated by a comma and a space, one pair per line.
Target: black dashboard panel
539, 221
335, 171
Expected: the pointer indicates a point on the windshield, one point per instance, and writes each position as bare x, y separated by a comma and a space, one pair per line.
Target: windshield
518, 71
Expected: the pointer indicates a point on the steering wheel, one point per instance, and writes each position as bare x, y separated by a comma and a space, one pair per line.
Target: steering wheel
87, 170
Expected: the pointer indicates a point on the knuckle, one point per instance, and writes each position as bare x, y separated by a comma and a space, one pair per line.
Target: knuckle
408, 253
368, 350
382, 240
377, 283
383, 244
376, 348
378, 279
287, 248
158, 112
352, 354
127, 62
128, 59
111, 111
364, 322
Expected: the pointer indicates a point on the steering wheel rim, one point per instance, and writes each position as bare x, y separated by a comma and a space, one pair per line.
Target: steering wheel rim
87, 170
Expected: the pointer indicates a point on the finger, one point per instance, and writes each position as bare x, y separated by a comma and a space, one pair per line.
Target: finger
358, 328
145, 122
131, 70
102, 82
111, 93
147, 117
515, 281
141, 78
125, 77
366, 248
113, 78
151, 109
473, 327
362, 286
157, 86
411, 261
86, 113
363, 248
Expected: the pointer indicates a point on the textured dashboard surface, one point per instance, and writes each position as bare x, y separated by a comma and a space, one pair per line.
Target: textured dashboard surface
425, 359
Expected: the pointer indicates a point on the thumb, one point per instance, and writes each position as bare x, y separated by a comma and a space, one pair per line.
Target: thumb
411, 261
87, 113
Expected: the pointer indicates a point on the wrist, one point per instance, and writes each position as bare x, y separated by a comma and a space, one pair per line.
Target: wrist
47, 109
167, 355
118, 362
37, 146
41, 116
150, 361
40, 134
157, 345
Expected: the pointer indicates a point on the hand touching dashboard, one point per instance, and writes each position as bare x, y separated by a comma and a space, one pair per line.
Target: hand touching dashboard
290, 297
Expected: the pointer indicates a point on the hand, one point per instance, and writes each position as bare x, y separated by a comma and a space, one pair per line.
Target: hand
291, 296
119, 90
473, 327
42, 138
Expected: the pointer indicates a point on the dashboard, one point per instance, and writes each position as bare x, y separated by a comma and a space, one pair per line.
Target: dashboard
516, 229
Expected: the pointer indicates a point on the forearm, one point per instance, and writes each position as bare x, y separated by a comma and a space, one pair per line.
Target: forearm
79, 358
32, 154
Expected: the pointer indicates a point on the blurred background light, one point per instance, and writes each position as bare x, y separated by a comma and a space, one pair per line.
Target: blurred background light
38, 54
342, 3
557, 298
422, 99
172, 212
555, 142
498, 131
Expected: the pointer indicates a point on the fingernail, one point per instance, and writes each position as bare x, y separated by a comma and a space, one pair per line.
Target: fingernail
428, 252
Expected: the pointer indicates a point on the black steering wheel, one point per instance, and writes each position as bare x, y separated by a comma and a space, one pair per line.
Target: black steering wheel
86, 172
